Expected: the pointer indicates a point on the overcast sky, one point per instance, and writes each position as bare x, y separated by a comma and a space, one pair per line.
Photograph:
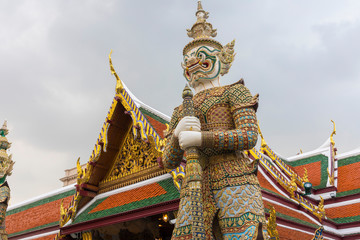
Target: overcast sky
302, 57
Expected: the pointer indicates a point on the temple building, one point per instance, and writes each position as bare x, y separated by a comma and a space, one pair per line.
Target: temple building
123, 192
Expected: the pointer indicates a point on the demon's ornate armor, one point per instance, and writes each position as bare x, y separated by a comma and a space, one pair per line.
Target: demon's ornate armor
230, 185
231, 197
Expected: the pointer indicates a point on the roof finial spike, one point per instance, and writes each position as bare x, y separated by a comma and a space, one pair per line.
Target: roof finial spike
263, 143
332, 134
119, 86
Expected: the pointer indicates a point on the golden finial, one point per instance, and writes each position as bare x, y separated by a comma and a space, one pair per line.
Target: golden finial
78, 166
119, 87
305, 177
319, 211
271, 224
201, 28
62, 209
263, 143
293, 186
80, 171
331, 177
332, 134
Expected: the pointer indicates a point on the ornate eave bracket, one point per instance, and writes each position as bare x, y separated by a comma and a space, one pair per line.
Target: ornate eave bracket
289, 186
265, 149
271, 225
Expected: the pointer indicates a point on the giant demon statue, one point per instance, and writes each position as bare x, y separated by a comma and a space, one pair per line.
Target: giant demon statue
223, 127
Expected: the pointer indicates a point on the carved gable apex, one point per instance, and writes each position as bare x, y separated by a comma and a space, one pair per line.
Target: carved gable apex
136, 161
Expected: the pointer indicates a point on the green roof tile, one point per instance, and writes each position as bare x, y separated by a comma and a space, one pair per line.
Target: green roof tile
154, 116
171, 194
34, 229
349, 160
293, 219
346, 193
317, 158
41, 202
347, 219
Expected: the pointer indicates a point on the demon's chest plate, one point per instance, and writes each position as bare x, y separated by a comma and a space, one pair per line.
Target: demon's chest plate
213, 109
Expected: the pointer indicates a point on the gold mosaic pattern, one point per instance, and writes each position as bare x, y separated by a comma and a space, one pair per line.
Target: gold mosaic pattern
228, 122
236, 201
136, 155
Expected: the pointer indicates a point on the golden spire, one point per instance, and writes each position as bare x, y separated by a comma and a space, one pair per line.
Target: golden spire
201, 28
263, 143
332, 134
271, 224
119, 86
305, 178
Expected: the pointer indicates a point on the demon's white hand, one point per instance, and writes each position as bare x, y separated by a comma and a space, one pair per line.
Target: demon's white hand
189, 139
187, 124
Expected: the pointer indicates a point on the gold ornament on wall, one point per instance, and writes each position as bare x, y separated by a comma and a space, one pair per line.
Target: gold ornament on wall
136, 155
271, 224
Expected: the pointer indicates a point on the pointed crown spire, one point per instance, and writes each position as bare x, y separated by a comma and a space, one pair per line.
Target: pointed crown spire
201, 31
201, 28
201, 14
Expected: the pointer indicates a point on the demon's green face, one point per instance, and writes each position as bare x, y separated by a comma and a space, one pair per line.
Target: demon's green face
201, 64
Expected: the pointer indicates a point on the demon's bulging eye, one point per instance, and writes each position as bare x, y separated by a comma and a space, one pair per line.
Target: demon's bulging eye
201, 55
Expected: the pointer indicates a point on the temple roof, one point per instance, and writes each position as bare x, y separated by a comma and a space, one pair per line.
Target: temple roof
341, 204
38, 216
108, 190
127, 203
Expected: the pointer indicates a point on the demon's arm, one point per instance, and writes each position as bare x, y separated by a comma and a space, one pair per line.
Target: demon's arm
243, 107
173, 154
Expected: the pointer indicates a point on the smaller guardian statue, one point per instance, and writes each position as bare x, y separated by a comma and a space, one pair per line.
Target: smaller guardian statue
6, 166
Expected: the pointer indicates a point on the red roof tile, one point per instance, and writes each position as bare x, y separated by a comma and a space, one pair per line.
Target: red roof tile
288, 212
343, 211
314, 172
35, 217
134, 195
348, 177
289, 234
48, 237
158, 126
265, 183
